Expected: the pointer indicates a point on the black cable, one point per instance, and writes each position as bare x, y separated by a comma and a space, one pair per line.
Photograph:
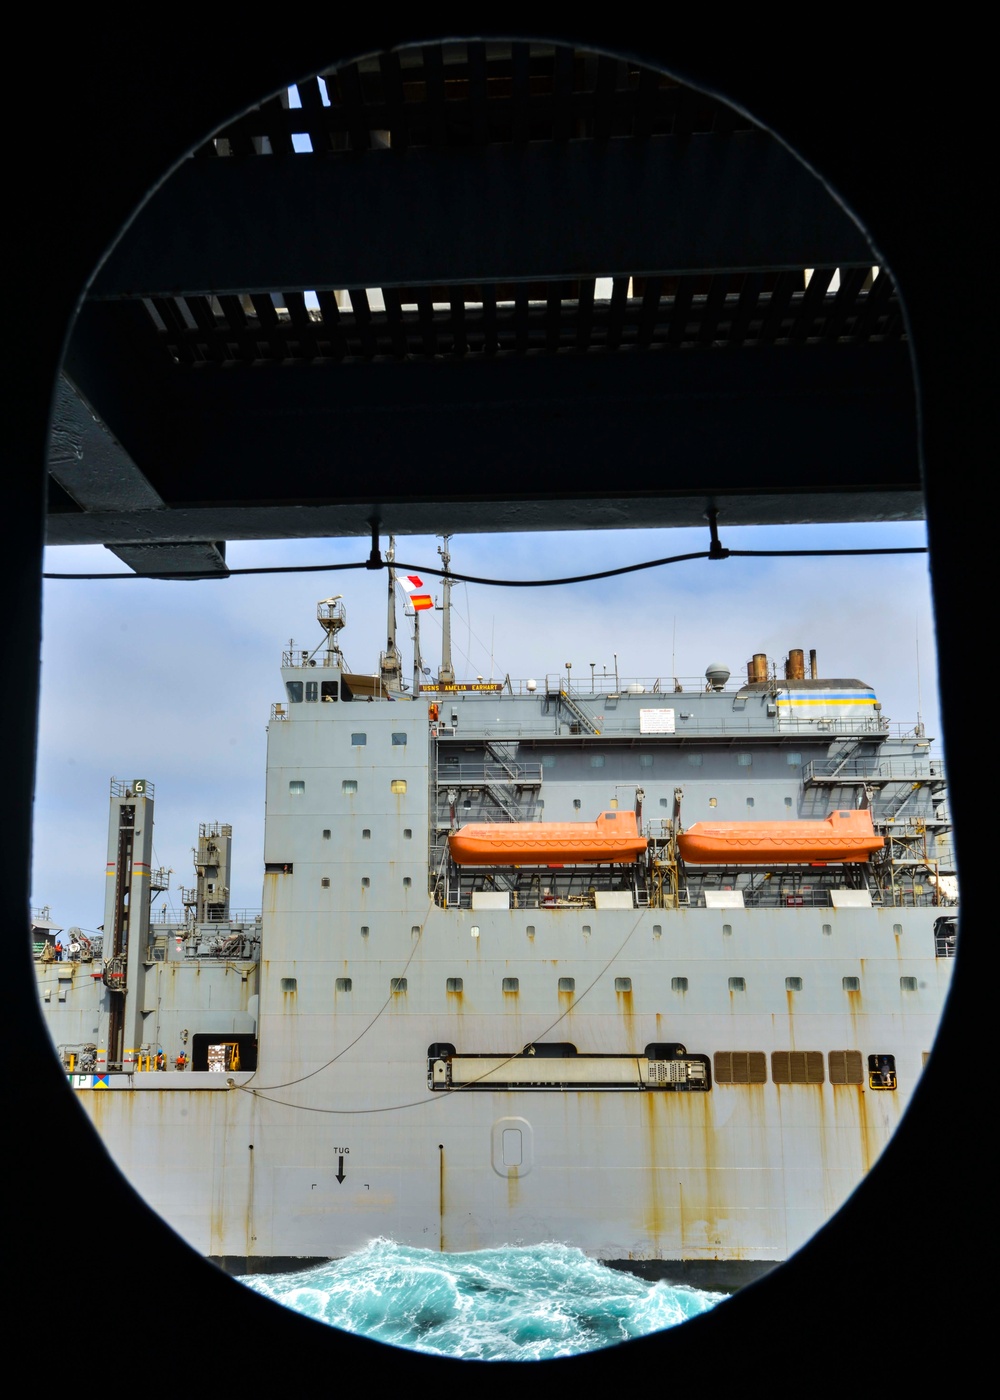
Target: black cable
508, 582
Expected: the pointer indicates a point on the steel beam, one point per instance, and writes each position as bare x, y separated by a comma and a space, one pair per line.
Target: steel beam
498, 213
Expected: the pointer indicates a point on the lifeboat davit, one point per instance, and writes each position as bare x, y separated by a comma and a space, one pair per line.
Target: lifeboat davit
846, 837
612, 839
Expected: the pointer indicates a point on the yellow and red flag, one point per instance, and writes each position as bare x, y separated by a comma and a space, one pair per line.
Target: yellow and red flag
414, 587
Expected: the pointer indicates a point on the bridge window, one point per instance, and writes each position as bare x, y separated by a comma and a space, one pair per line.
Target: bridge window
293, 689
312, 691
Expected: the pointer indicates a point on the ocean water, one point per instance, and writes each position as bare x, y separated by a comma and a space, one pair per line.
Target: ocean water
513, 1304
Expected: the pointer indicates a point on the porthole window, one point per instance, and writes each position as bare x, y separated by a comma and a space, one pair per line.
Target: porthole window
365, 882
289, 984
657, 930
530, 930
623, 984
366, 833
907, 984
397, 984
696, 759
510, 984
407, 882
788, 802
344, 984
453, 984
576, 804
897, 930
398, 785
851, 984
407, 833
567, 984
349, 786
325, 882
750, 802
727, 929
296, 787
678, 984
713, 802
737, 984
398, 740
794, 760
827, 930
793, 984
414, 930
645, 760
597, 760
744, 759
358, 741
364, 930
326, 833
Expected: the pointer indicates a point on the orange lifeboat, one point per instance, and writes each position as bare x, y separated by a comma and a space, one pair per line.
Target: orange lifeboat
847, 837
612, 839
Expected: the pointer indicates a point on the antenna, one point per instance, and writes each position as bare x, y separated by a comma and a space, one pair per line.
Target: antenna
916, 642
446, 673
390, 662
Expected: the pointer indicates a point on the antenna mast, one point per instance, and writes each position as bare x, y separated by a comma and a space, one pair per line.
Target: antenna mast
391, 663
446, 672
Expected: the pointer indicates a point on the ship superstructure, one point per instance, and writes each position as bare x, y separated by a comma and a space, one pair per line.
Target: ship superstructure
495, 995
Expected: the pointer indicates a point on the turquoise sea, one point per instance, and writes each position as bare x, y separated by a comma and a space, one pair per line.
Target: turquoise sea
512, 1304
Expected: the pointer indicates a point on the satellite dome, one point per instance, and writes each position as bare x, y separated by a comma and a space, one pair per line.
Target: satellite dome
716, 674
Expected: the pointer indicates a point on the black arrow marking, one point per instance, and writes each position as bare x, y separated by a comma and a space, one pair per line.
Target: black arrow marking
340, 1170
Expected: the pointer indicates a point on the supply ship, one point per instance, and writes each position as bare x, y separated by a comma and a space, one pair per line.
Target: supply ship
646, 966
